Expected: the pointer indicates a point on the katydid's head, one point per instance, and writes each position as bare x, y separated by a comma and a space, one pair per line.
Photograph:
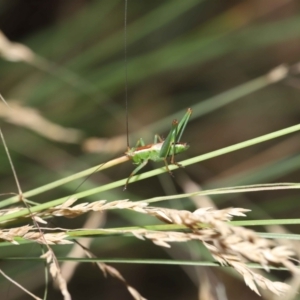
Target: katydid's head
178, 148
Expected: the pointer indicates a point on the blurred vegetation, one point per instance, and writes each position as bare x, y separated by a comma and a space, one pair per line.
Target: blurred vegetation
180, 54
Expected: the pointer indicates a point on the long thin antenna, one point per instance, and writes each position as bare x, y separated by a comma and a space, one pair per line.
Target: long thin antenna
126, 73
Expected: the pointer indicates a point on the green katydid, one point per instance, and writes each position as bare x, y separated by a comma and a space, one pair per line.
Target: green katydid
161, 149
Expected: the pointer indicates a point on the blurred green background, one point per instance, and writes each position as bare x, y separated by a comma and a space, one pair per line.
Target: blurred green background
180, 54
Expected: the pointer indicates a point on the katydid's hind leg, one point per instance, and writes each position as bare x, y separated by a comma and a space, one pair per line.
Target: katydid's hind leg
157, 138
138, 168
173, 162
167, 167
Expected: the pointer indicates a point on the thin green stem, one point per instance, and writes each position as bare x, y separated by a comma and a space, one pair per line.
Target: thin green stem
155, 172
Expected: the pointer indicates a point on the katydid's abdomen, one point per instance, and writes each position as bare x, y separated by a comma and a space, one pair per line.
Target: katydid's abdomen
152, 152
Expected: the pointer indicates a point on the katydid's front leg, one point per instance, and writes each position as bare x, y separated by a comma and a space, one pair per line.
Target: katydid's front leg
158, 138
175, 126
167, 167
138, 168
170, 144
174, 135
173, 139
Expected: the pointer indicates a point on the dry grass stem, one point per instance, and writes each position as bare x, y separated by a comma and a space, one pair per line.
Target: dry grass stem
94, 220
4, 212
14, 51
107, 269
31, 118
9, 235
229, 245
103, 145
26, 232
56, 274
66, 210
58, 238
39, 236
19, 286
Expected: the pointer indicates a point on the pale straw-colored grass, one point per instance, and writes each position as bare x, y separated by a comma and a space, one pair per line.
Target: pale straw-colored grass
229, 245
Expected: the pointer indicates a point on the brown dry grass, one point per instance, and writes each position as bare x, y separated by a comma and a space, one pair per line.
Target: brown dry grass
229, 245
